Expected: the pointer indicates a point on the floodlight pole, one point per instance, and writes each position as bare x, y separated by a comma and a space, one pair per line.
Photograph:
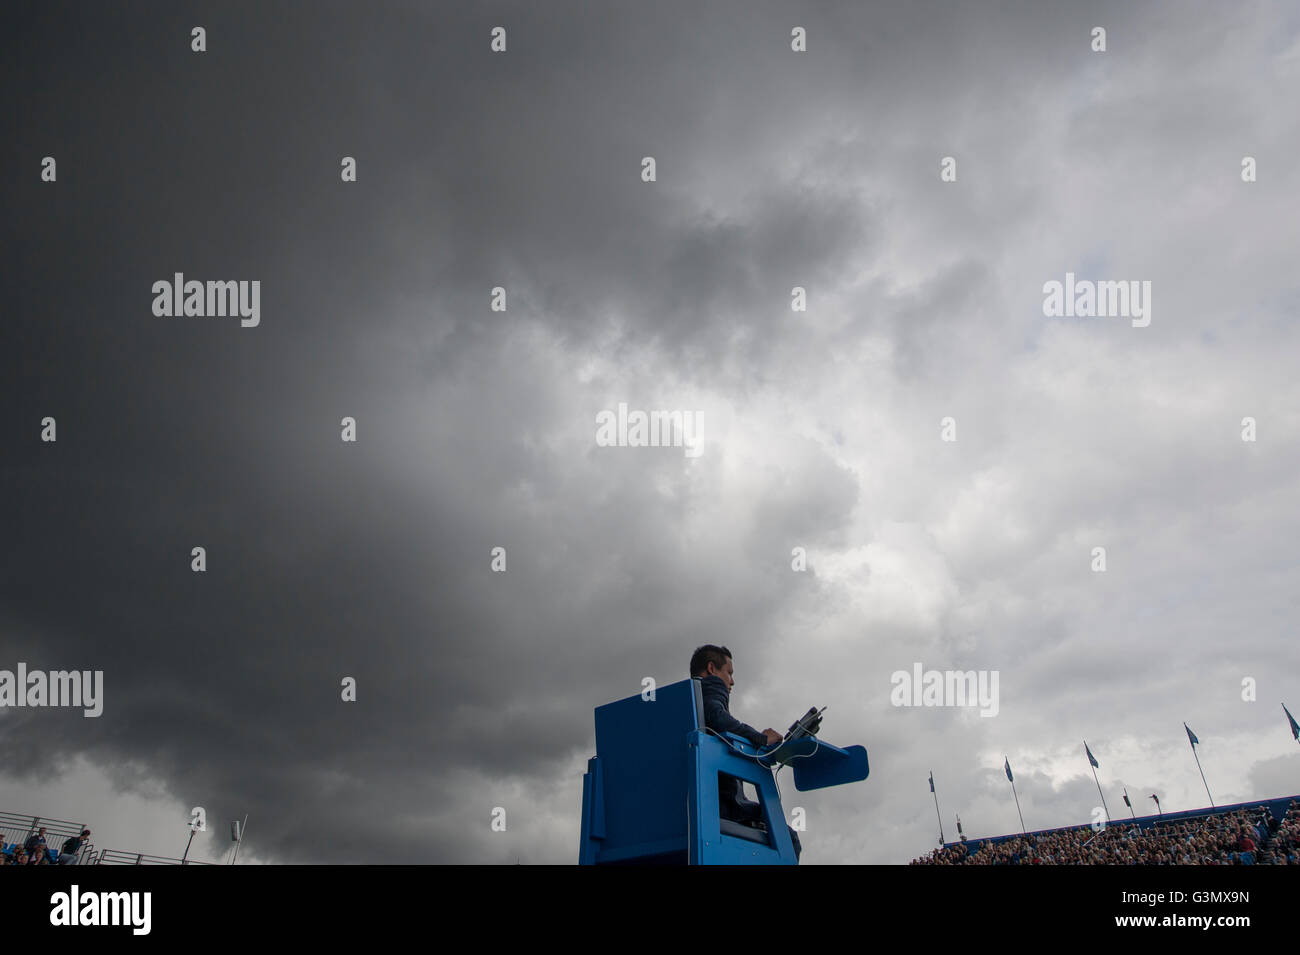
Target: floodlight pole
240, 840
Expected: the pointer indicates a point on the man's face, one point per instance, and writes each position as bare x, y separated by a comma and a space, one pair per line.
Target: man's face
725, 672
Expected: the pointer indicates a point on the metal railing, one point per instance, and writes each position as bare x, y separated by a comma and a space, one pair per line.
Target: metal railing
16, 827
118, 857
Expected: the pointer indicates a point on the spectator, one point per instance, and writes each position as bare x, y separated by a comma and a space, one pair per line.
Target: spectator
36, 841
72, 847
1242, 837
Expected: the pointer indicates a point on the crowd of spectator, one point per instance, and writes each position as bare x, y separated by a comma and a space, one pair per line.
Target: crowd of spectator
1241, 837
36, 851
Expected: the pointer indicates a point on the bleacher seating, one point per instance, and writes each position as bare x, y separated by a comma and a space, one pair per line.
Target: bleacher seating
16, 827
1266, 832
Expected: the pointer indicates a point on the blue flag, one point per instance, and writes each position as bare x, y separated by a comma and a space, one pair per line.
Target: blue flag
1092, 759
1010, 778
1191, 737
932, 782
1295, 728
1126, 802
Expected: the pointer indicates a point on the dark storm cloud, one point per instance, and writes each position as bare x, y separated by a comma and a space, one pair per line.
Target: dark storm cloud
476, 429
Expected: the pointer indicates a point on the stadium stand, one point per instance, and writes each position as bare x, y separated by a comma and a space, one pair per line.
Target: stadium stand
17, 828
1263, 833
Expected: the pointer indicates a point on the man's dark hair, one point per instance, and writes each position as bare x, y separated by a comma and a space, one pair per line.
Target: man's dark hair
707, 654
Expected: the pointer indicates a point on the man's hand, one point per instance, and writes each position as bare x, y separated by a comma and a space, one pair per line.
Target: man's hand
772, 736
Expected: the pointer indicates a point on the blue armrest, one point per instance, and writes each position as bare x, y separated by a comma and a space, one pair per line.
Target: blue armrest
818, 764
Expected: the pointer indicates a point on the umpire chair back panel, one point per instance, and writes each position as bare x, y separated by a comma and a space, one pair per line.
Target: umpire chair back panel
642, 748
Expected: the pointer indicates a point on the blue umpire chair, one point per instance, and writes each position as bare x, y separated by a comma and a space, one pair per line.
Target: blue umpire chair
650, 794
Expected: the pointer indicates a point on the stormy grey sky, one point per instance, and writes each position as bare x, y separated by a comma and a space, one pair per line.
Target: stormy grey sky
476, 428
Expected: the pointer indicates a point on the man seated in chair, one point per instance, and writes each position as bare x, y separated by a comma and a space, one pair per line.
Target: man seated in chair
712, 666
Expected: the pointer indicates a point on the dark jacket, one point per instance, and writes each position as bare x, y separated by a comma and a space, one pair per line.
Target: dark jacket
717, 717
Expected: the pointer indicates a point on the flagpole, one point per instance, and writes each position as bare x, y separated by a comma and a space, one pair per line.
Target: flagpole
1095, 780
1129, 804
936, 806
1018, 812
1103, 798
1192, 741
1203, 782
1017, 798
